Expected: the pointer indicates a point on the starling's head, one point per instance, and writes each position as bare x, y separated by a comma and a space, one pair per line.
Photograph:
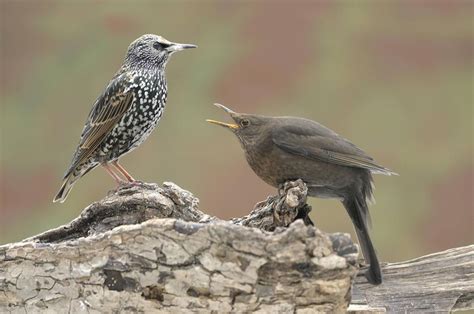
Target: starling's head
152, 51
247, 127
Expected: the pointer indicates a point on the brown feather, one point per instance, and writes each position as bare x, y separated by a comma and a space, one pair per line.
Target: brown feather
103, 123
336, 150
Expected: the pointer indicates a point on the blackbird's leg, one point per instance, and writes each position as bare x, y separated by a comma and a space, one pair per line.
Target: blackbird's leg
123, 171
117, 179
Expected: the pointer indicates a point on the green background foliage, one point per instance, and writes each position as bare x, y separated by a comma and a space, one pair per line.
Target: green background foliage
395, 77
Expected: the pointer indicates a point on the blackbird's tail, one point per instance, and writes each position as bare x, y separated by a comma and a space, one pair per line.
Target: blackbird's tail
356, 206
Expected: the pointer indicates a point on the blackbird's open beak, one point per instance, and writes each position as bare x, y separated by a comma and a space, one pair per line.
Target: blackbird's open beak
231, 126
178, 47
227, 125
229, 111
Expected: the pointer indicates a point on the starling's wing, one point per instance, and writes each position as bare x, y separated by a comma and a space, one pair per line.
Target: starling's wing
106, 113
325, 146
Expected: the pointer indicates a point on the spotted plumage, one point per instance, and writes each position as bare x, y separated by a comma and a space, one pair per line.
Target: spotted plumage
126, 112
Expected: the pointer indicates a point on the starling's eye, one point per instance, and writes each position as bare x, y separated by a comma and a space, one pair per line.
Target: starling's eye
245, 123
158, 46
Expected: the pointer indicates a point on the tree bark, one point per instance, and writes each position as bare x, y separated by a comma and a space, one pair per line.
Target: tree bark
441, 282
146, 248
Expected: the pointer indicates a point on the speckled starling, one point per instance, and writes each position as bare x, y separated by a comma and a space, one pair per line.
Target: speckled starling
279, 149
126, 112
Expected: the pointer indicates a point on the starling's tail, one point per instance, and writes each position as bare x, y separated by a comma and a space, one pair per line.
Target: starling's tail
72, 175
356, 207
66, 187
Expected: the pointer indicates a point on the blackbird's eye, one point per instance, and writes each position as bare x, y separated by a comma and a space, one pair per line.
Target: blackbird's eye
158, 46
245, 123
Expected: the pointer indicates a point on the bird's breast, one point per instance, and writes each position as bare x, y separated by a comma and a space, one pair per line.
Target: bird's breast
260, 159
148, 106
149, 99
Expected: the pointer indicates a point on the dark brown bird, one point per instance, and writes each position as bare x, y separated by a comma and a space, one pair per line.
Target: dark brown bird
125, 114
279, 149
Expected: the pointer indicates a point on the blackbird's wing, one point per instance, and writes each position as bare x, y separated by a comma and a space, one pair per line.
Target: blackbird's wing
315, 141
107, 111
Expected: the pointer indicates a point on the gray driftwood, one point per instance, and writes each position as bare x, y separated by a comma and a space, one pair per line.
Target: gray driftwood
440, 282
147, 249
150, 249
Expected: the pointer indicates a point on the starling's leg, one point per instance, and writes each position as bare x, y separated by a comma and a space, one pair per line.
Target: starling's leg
117, 179
123, 171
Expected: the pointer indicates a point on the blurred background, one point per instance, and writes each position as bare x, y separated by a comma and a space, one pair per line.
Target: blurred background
394, 77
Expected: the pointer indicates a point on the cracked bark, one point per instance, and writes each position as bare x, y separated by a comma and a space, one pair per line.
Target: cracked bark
148, 248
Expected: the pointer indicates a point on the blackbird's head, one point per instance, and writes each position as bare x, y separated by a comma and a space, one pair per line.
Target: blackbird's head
152, 51
247, 127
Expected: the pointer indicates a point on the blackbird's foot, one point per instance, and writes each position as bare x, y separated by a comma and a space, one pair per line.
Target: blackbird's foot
268, 202
284, 187
291, 204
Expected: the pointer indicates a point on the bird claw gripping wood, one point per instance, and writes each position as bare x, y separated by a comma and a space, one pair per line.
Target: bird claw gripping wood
291, 204
279, 210
130, 188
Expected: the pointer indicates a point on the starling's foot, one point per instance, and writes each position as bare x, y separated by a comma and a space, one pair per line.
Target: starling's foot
123, 171
130, 184
136, 183
126, 188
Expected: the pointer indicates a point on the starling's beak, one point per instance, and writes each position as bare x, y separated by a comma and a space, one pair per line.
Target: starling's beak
173, 47
227, 125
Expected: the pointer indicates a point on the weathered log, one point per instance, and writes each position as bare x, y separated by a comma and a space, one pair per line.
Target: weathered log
440, 282
146, 248
133, 204
125, 254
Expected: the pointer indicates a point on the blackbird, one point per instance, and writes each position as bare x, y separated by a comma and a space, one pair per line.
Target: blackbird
279, 149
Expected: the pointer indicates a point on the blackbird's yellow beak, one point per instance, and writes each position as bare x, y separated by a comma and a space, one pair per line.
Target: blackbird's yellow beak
227, 125
231, 126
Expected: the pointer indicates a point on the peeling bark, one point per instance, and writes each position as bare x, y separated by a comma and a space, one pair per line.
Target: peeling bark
146, 248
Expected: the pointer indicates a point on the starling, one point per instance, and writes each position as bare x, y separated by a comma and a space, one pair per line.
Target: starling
125, 114
279, 149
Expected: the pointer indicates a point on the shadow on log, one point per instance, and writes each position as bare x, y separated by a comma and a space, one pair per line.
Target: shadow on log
147, 248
